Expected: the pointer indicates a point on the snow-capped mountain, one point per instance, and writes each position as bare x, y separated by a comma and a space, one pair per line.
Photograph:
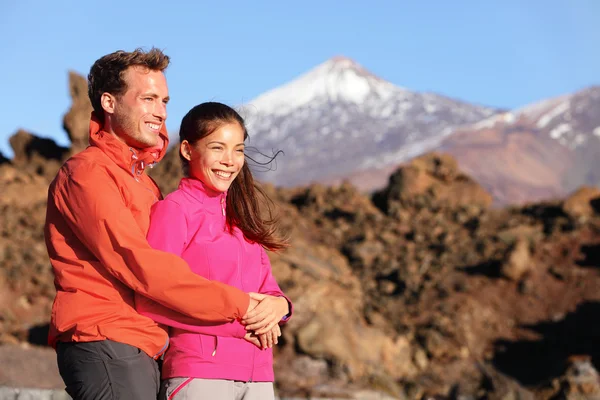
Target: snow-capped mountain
569, 119
339, 119
546, 149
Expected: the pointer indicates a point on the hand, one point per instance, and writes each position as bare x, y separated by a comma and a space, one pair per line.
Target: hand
252, 338
266, 314
252, 305
269, 339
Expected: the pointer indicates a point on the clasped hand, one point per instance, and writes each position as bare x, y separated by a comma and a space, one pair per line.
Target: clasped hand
262, 319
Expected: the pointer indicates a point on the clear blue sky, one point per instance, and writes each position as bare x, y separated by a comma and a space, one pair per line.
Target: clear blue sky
504, 53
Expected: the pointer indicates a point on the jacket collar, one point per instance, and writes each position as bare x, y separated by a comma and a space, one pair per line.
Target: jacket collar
203, 194
130, 159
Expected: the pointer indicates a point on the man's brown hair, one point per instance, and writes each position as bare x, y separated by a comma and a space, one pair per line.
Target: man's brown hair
107, 73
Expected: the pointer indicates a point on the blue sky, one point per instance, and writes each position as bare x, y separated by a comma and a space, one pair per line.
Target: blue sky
504, 53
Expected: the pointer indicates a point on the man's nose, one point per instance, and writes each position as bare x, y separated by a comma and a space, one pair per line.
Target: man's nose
161, 110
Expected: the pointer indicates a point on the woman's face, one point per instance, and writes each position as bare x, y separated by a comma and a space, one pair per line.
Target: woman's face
218, 158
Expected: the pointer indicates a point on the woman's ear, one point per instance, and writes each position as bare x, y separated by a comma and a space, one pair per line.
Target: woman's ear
185, 148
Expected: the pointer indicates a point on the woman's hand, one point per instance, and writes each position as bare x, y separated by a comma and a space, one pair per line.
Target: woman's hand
252, 338
266, 314
270, 339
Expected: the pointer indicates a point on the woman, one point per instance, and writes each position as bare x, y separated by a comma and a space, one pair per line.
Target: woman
214, 221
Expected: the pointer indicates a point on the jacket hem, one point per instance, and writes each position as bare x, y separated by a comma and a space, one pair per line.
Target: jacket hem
220, 371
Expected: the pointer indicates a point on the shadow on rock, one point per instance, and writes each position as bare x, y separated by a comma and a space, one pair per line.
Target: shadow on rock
537, 362
491, 269
590, 256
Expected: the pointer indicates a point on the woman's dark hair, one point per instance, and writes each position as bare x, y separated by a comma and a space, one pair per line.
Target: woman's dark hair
244, 197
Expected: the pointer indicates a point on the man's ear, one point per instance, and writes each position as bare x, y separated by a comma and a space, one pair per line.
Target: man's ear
185, 148
107, 101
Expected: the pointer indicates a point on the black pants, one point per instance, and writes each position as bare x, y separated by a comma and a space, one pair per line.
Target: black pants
107, 370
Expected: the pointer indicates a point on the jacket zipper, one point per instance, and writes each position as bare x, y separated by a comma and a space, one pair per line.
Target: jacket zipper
253, 362
240, 263
214, 353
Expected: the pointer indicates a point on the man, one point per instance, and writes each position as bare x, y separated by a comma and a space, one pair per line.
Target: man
96, 224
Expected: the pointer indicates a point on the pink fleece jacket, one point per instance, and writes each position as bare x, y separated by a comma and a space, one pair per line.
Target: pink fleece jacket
190, 222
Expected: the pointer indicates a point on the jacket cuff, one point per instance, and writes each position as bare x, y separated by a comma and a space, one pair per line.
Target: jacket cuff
290, 308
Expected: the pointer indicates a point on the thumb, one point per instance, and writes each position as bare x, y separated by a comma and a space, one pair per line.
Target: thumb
257, 296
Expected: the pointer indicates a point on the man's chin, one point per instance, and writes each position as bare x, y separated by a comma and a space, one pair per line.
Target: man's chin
156, 147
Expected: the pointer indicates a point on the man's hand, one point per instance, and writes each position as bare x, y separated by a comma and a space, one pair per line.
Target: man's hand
266, 314
251, 306
270, 339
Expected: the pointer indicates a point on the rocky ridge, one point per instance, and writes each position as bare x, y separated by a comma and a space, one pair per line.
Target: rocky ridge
420, 291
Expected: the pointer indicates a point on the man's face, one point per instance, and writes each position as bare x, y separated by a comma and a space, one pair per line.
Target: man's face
140, 112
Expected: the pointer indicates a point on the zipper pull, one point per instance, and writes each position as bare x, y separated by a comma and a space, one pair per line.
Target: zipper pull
223, 205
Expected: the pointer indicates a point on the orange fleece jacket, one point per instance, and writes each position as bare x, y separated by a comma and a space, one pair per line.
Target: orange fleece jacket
96, 223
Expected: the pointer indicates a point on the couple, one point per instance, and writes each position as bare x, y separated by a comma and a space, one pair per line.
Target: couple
184, 280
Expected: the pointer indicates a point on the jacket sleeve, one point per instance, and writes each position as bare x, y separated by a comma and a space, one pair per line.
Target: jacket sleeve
91, 204
269, 284
165, 316
168, 232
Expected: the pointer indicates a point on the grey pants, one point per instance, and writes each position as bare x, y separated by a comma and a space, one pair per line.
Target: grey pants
215, 389
107, 370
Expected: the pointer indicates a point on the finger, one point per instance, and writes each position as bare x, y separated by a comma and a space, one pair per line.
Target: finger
251, 306
252, 313
260, 325
257, 323
267, 328
257, 318
270, 339
257, 296
259, 310
276, 333
261, 314
263, 341
252, 339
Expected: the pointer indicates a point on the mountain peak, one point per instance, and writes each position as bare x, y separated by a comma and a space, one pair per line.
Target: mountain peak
340, 64
341, 58
343, 62
339, 79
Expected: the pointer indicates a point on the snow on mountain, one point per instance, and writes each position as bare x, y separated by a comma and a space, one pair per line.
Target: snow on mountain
339, 79
543, 150
568, 119
338, 119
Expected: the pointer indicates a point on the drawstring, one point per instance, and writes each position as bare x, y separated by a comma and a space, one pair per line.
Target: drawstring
137, 167
216, 344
